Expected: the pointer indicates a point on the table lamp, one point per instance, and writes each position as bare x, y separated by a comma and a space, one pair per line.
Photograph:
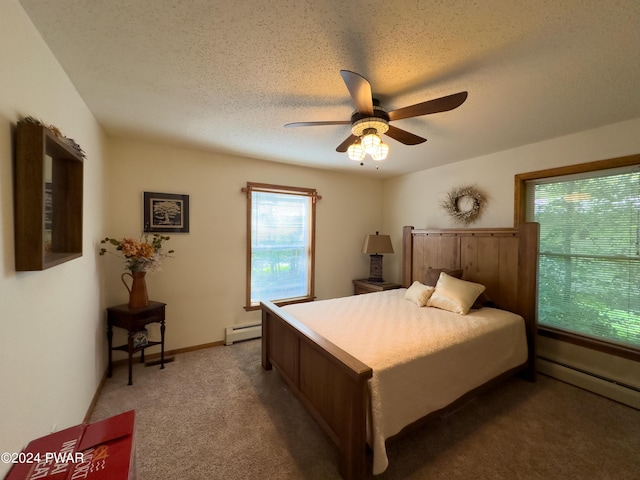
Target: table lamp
375, 245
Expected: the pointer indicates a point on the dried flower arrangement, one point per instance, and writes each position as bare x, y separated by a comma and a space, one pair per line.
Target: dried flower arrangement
140, 255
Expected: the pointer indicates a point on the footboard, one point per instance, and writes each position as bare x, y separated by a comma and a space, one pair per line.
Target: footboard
330, 383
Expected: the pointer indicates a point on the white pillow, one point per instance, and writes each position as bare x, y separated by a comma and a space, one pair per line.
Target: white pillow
454, 295
418, 293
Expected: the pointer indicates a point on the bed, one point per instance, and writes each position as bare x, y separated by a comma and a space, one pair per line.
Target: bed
342, 385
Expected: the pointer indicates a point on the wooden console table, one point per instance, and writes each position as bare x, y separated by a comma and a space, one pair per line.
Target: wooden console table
133, 320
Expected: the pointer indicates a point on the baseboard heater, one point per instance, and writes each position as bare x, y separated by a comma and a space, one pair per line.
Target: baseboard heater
245, 331
620, 392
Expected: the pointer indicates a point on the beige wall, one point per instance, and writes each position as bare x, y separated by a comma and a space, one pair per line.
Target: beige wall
52, 346
51, 328
414, 200
204, 284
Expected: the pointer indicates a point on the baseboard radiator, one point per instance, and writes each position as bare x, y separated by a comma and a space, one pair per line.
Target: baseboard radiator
245, 331
627, 394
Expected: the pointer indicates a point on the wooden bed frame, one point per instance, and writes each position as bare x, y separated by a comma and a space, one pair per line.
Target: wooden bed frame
332, 384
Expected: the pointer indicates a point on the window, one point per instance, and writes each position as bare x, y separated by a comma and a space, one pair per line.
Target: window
589, 264
280, 244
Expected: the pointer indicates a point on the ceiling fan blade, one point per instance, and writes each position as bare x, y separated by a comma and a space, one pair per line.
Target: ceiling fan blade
404, 137
314, 124
442, 104
346, 144
360, 90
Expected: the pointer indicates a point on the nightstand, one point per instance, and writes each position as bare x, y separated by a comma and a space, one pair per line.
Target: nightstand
134, 320
365, 286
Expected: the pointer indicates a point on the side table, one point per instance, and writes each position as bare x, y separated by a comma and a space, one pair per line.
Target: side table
365, 286
133, 320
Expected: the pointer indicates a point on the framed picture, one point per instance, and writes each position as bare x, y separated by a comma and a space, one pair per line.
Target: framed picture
166, 213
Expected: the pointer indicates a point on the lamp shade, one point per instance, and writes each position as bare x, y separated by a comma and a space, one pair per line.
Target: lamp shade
377, 244
381, 153
355, 151
371, 142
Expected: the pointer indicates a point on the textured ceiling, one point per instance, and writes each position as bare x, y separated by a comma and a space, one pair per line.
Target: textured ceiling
227, 75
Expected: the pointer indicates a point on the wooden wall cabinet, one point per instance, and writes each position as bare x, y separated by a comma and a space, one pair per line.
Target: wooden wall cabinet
48, 199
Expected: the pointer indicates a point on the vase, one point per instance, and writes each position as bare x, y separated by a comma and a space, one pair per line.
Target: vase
138, 292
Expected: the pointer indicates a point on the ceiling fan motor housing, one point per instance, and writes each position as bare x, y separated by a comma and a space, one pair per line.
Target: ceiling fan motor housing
379, 121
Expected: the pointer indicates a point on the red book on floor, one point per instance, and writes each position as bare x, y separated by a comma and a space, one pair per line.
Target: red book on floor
108, 450
104, 450
48, 457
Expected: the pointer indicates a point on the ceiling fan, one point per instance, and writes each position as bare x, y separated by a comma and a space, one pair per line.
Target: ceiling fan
370, 120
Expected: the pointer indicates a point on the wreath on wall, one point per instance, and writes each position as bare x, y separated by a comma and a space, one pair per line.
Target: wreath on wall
464, 204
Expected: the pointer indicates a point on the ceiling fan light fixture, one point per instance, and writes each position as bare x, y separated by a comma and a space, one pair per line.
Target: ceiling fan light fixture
355, 151
371, 141
370, 120
381, 153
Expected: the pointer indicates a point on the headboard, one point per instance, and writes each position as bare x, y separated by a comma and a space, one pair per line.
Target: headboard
505, 260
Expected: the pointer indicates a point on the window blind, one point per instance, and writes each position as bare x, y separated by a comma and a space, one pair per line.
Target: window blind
280, 246
589, 267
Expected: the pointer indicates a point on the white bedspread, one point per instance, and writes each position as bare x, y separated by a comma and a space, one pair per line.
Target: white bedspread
422, 358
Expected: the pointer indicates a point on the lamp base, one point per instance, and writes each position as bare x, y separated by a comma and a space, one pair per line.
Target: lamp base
375, 268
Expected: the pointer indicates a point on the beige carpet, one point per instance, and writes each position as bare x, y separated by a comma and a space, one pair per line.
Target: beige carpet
215, 414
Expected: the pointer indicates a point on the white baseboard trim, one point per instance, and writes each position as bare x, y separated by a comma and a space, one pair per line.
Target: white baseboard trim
245, 331
592, 383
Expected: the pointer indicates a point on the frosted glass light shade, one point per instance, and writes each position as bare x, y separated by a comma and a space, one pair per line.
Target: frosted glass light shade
381, 153
370, 143
356, 152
